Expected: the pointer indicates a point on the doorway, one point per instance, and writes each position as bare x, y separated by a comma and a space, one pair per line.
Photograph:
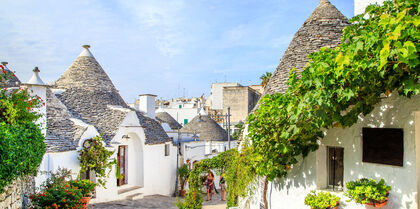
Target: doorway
122, 165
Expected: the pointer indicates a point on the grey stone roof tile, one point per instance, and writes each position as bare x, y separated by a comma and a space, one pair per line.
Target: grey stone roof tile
152, 130
208, 129
323, 28
164, 117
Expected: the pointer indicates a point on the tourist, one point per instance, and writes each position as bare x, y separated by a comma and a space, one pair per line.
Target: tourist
222, 184
210, 185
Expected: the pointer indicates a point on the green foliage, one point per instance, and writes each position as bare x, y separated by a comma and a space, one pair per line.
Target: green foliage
21, 142
237, 134
321, 200
183, 172
96, 158
233, 164
265, 78
21, 150
16, 106
58, 196
365, 191
57, 191
85, 186
377, 56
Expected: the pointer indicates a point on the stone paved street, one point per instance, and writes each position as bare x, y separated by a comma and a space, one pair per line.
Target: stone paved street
157, 202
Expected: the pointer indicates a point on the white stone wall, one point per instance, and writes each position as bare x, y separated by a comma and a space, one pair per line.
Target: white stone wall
160, 170
179, 114
311, 173
360, 5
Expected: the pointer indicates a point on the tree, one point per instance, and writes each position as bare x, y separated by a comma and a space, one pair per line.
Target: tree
265, 78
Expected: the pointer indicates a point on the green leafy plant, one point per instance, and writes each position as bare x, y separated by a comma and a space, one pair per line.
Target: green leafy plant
367, 191
57, 191
234, 164
85, 186
57, 196
237, 133
321, 200
21, 150
21, 141
118, 172
96, 158
377, 56
183, 172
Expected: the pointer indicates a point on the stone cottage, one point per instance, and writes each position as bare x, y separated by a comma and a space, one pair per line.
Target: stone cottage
84, 103
352, 153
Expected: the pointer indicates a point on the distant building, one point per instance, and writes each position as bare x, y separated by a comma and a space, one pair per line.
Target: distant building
241, 100
215, 100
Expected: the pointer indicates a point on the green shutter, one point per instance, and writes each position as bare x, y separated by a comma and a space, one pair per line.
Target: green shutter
185, 121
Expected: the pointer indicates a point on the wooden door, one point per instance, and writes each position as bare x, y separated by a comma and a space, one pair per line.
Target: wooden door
122, 163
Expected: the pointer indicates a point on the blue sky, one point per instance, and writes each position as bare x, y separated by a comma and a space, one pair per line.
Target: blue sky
154, 46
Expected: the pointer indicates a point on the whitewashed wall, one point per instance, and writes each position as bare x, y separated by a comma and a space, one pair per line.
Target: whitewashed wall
179, 114
311, 173
360, 5
159, 170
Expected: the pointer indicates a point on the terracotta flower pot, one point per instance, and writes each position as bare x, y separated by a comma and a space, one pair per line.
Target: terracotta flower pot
85, 202
182, 193
378, 204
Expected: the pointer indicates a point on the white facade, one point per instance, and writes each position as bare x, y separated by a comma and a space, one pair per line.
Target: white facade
149, 171
182, 115
311, 172
147, 104
360, 5
215, 100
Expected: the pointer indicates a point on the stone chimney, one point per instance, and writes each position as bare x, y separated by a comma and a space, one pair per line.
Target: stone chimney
147, 104
36, 87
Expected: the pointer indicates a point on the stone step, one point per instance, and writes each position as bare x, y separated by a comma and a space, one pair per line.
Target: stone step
136, 196
127, 191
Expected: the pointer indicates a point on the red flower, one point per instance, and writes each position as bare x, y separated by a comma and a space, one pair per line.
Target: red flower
1, 66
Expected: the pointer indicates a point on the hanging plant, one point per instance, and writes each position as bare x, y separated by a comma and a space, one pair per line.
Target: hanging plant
95, 157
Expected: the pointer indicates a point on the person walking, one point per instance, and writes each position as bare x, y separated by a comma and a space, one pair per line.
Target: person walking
210, 185
222, 184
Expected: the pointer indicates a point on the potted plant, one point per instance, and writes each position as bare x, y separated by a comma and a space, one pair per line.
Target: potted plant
322, 200
183, 172
367, 191
86, 188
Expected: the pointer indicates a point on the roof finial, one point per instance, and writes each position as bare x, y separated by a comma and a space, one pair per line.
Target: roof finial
36, 70
4, 63
321, 2
86, 46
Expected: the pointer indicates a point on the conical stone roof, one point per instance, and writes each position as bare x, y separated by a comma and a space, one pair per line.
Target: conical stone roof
12, 82
89, 93
323, 28
164, 117
208, 129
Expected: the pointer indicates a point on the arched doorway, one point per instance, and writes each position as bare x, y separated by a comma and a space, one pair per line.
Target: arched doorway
130, 160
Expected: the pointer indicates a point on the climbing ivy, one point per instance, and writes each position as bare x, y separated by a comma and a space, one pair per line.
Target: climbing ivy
378, 55
233, 163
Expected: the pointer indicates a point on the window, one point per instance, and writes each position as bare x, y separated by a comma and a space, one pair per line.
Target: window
166, 149
185, 121
335, 167
383, 146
